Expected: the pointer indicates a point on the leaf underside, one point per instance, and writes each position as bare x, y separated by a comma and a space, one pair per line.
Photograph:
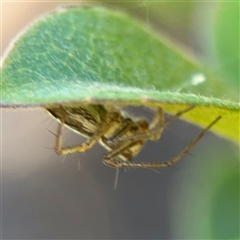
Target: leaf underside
98, 56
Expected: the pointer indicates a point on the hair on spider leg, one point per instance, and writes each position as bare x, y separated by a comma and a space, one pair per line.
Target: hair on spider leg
136, 168
117, 176
55, 134
52, 132
79, 163
47, 121
116, 179
128, 168
176, 168
63, 159
190, 154
152, 169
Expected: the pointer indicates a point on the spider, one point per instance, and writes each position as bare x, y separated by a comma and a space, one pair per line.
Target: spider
122, 135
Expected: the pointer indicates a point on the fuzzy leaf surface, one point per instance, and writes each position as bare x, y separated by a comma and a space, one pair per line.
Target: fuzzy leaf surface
95, 55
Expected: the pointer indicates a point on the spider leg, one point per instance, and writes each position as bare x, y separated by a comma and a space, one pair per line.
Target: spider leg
81, 148
177, 115
121, 130
156, 127
115, 139
108, 159
158, 124
84, 146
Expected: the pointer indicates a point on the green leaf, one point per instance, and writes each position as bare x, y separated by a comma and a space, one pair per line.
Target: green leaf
94, 55
226, 33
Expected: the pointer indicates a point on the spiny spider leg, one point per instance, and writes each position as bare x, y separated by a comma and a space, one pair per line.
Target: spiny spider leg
177, 115
109, 161
125, 126
80, 148
156, 127
159, 124
121, 149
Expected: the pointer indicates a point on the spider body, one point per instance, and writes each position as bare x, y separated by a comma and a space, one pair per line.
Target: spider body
106, 125
122, 135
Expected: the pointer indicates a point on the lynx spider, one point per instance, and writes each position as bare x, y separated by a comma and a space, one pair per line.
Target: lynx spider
120, 134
